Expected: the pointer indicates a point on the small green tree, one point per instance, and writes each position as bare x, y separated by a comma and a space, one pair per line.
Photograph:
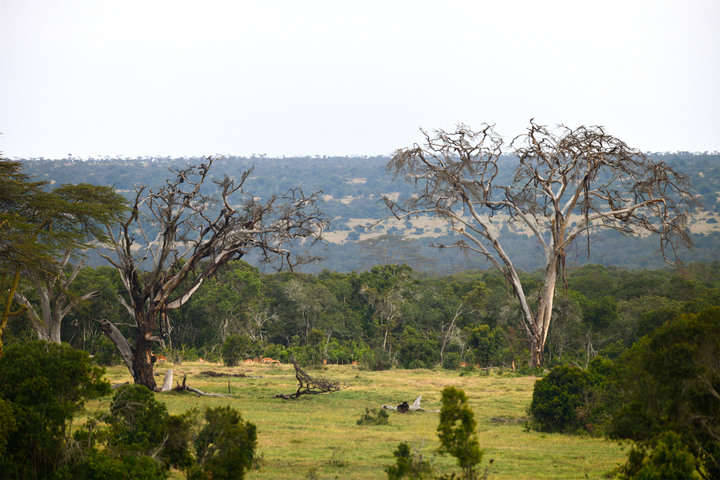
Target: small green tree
456, 432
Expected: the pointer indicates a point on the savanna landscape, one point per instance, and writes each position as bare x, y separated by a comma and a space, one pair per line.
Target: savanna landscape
317, 436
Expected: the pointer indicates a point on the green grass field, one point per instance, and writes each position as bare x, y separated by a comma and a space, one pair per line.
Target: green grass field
318, 437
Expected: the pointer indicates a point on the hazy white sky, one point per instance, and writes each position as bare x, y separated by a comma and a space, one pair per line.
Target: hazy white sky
152, 77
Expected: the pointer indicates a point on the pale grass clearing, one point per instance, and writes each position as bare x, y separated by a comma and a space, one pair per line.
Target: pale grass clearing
318, 435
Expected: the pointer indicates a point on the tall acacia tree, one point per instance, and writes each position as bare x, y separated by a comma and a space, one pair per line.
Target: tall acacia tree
181, 233
41, 229
567, 184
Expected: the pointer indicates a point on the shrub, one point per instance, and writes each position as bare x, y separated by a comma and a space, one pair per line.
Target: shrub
42, 386
667, 459
561, 400
225, 446
668, 382
374, 417
235, 348
408, 464
378, 360
451, 361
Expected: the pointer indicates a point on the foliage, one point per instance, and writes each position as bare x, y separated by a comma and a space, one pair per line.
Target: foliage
408, 464
668, 382
417, 350
457, 431
235, 348
106, 353
375, 416
378, 360
559, 400
667, 459
451, 361
224, 447
139, 425
485, 344
38, 225
42, 386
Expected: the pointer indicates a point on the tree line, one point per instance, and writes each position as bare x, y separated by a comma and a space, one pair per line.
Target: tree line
391, 312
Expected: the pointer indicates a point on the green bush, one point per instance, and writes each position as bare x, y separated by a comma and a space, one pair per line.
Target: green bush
562, 401
668, 382
374, 417
235, 348
667, 459
408, 464
225, 446
451, 361
379, 360
42, 386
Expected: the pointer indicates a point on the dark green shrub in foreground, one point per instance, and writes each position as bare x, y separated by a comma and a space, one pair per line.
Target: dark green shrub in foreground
561, 400
42, 386
225, 446
666, 459
569, 399
669, 382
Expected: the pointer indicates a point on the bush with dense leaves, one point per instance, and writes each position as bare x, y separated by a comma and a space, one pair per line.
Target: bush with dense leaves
417, 349
669, 382
235, 348
225, 446
559, 400
42, 386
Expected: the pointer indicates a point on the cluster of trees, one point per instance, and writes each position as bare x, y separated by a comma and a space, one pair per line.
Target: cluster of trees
410, 319
661, 394
136, 438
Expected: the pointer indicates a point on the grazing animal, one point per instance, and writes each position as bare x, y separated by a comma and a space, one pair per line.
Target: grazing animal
269, 360
201, 360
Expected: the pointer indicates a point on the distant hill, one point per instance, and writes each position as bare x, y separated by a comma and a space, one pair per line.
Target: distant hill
352, 188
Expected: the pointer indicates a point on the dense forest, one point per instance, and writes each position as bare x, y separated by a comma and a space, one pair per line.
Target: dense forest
395, 315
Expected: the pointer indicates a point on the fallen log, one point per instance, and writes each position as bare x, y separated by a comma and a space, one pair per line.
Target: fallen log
167, 386
308, 385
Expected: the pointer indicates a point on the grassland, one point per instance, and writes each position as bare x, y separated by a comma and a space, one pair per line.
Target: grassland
317, 436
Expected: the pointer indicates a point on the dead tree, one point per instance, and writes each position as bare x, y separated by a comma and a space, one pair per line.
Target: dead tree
308, 385
567, 185
178, 234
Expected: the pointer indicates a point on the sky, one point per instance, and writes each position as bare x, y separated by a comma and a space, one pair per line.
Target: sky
128, 78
